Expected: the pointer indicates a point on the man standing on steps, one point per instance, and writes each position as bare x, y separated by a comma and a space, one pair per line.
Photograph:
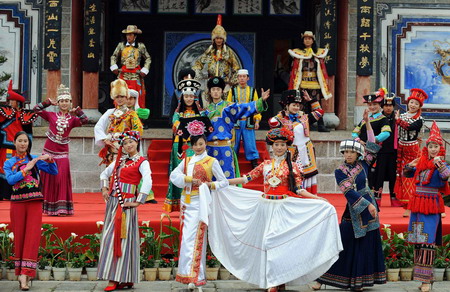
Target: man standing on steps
245, 127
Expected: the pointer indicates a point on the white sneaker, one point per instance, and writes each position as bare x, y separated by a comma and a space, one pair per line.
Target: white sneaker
191, 286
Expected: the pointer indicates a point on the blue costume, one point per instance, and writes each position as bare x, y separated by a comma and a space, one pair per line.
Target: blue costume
223, 116
361, 263
245, 127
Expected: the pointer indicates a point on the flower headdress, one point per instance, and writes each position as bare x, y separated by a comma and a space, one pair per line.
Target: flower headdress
280, 134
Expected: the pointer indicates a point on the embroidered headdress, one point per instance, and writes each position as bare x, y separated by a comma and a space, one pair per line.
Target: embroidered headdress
189, 86
129, 135
14, 95
417, 94
63, 93
219, 31
388, 100
290, 96
280, 134
377, 96
435, 135
186, 72
242, 72
351, 145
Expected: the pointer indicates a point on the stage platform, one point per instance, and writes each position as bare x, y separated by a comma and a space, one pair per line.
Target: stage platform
90, 208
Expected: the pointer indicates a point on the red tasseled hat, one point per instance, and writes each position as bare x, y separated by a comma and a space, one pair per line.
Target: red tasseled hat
418, 94
13, 95
435, 135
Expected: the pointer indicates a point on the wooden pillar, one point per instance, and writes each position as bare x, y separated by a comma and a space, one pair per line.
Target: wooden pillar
75, 52
342, 65
362, 88
90, 90
53, 81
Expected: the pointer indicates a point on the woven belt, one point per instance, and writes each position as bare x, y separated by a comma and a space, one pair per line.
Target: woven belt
401, 142
219, 143
309, 74
427, 190
274, 197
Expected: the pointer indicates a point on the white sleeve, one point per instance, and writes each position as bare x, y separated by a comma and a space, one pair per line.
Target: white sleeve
221, 180
177, 176
106, 174
114, 67
100, 128
146, 173
144, 70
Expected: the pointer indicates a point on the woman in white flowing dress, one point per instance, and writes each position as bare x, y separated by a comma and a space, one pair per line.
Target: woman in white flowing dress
189, 175
284, 234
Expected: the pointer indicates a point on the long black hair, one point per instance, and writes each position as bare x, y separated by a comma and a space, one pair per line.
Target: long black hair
291, 178
313, 46
194, 139
34, 170
182, 106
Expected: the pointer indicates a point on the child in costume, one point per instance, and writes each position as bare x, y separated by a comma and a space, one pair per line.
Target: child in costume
119, 247
409, 125
189, 175
245, 128
430, 173
293, 118
57, 189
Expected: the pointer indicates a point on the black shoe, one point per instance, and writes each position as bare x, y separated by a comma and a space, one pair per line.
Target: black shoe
254, 163
322, 128
152, 202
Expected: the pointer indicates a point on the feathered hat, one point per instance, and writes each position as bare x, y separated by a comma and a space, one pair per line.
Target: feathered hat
351, 145
63, 93
280, 134
290, 96
14, 95
417, 94
219, 31
119, 87
377, 96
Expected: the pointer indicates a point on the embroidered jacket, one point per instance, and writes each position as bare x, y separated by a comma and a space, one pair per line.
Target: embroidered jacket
244, 95
409, 127
25, 185
137, 52
352, 180
380, 126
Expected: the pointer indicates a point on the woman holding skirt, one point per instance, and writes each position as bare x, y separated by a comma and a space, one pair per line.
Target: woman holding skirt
119, 248
57, 189
283, 234
192, 172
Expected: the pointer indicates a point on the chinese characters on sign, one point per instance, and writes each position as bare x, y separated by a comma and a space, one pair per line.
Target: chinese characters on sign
328, 32
91, 43
364, 44
52, 36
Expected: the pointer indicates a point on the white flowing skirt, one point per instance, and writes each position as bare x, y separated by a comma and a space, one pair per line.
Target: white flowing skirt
272, 242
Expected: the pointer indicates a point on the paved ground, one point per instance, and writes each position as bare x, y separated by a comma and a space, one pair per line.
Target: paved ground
212, 286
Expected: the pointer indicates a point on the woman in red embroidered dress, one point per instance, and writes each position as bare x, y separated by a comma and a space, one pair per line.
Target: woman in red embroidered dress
22, 173
119, 248
57, 189
271, 238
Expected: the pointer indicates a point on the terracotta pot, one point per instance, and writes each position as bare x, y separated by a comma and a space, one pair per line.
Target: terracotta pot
438, 274
92, 273
224, 274
164, 274
393, 274
150, 274
406, 274
44, 275
59, 274
11, 275
212, 273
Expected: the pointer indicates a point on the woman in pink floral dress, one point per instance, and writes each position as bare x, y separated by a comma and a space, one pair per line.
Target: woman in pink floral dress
57, 189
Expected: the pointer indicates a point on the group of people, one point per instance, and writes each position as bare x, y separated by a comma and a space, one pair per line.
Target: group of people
264, 228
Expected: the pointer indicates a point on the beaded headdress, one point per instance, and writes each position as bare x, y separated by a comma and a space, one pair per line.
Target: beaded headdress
63, 93
351, 145
280, 134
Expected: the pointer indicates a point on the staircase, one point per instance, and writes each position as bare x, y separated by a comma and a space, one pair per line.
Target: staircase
158, 154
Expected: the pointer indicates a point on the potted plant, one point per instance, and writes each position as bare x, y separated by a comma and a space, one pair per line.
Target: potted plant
392, 268
440, 264
212, 267
165, 269
75, 267
6, 247
148, 264
175, 266
224, 274
91, 255
59, 268
91, 268
43, 268
10, 269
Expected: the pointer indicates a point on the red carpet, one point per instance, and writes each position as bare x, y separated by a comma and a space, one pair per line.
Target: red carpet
90, 207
